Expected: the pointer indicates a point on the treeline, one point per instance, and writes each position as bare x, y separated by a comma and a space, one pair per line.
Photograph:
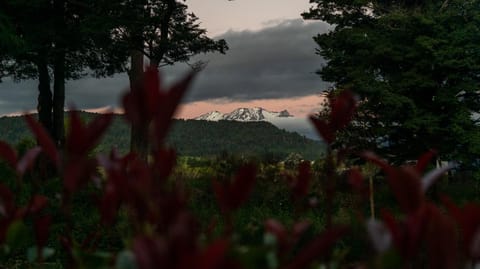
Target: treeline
197, 138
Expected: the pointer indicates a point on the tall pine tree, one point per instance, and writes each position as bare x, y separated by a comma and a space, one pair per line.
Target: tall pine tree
415, 65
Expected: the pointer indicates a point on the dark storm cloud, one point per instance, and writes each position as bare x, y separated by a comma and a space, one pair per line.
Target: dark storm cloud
93, 93
17, 97
276, 62
84, 93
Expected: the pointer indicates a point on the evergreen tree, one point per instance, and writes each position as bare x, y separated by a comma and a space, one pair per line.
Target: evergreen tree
163, 32
415, 66
45, 39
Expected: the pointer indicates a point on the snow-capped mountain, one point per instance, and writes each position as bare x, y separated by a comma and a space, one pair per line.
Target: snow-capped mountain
211, 116
283, 119
245, 114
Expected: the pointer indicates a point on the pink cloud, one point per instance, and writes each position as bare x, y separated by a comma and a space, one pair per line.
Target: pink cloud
299, 107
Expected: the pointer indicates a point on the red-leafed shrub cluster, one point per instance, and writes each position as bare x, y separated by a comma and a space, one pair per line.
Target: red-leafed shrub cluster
163, 232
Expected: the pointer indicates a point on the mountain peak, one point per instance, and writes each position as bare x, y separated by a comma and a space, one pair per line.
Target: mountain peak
211, 116
245, 114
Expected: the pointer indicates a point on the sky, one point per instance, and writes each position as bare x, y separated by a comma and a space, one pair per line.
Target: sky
271, 63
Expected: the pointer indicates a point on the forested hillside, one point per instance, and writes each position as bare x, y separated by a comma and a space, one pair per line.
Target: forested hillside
197, 138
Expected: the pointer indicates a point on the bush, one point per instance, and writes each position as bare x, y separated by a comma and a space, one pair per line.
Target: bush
142, 216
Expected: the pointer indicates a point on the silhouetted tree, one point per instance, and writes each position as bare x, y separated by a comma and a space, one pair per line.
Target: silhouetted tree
41, 39
163, 32
415, 66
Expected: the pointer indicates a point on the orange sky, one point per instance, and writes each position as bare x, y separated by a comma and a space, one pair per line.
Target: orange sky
299, 107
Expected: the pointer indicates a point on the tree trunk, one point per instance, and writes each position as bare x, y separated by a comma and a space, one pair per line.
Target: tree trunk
44, 167
139, 131
44, 106
59, 99
59, 74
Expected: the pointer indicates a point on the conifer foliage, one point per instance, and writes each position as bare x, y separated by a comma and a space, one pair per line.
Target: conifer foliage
414, 65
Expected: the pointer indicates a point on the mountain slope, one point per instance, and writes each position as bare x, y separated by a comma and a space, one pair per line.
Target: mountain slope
211, 116
282, 119
197, 138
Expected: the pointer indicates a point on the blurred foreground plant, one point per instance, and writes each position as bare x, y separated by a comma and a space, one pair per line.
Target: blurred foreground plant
164, 233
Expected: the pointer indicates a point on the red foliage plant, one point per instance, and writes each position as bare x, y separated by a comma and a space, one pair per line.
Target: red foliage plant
166, 234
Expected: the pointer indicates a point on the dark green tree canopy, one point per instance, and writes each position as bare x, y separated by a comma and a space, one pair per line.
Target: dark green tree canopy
163, 30
28, 33
416, 68
57, 40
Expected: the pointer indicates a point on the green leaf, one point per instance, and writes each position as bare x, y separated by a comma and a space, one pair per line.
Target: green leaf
17, 235
125, 260
272, 260
32, 253
269, 239
390, 259
97, 260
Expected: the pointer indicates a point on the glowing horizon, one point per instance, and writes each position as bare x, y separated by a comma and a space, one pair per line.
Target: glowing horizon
298, 107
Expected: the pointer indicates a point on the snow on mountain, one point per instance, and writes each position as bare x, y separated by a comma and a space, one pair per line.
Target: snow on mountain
211, 116
282, 119
245, 114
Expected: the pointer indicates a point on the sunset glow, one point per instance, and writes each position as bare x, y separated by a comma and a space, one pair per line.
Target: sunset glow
298, 107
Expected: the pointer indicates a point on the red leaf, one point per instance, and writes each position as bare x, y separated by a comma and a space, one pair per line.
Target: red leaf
372, 157
43, 139
42, 227
221, 196
109, 203
232, 196
132, 104
356, 180
404, 182
323, 128
141, 175
81, 139
8, 154
71, 176
214, 255
175, 95
27, 160
300, 227
407, 234
96, 128
317, 248
168, 106
7, 204
423, 161
468, 219
440, 239
164, 162
301, 185
77, 173
342, 109
452, 208
394, 227
276, 228
153, 90
242, 186
150, 253
37, 203
75, 135
407, 188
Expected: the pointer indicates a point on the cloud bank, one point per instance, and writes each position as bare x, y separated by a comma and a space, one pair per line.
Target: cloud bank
275, 62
